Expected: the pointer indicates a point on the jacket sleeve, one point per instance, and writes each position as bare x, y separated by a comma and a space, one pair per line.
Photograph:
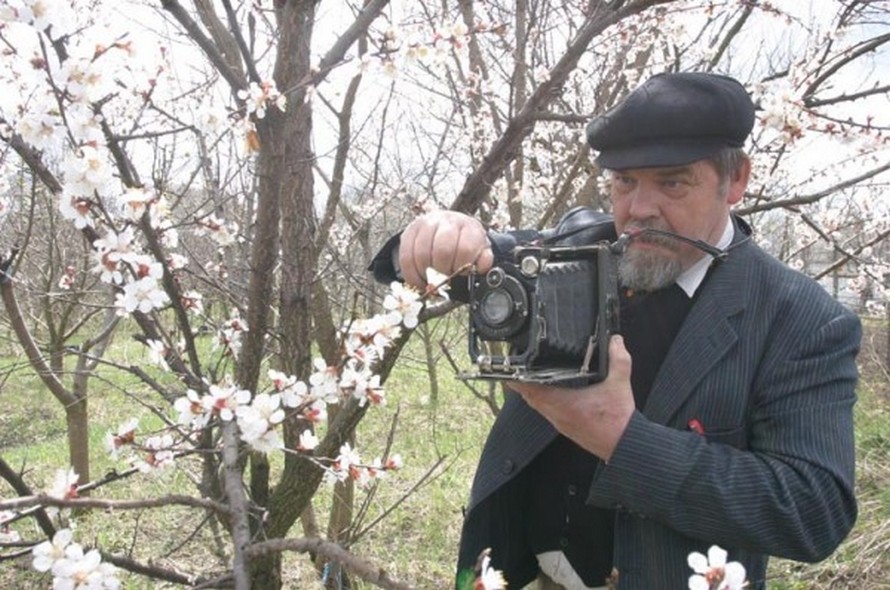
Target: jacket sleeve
783, 483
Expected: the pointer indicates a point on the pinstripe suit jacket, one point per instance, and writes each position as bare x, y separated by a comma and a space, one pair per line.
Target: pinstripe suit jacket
765, 362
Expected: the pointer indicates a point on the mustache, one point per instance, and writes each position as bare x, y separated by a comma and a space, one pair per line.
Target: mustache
639, 234
650, 233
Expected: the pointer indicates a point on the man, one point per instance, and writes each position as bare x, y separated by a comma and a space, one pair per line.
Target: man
726, 416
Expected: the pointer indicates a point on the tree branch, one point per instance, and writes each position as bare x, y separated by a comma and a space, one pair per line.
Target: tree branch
812, 103
848, 56
23, 334
170, 500
33, 160
238, 503
151, 571
235, 31
733, 32
807, 199
851, 255
506, 147
358, 28
22, 489
210, 50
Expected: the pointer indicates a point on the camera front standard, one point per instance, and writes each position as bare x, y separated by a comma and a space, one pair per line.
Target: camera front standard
546, 316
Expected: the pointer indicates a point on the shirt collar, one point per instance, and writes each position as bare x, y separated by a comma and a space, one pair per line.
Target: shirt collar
692, 277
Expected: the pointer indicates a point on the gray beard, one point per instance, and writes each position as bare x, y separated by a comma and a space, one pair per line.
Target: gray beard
647, 271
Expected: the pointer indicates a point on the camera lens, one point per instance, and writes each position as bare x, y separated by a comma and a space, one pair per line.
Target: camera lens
496, 307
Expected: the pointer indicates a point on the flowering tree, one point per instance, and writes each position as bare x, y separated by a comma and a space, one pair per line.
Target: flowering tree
229, 170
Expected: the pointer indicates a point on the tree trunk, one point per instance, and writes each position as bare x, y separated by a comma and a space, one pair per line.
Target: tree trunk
286, 163
430, 355
78, 425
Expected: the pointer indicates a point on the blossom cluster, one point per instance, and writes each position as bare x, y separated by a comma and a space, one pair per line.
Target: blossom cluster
259, 415
710, 572
72, 567
399, 48
783, 112
349, 465
155, 453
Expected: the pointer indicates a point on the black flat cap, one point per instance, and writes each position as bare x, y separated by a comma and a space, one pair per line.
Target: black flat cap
672, 120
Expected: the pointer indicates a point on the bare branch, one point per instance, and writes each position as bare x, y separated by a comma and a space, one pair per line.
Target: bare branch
851, 255
505, 149
811, 102
239, 40
358, 28
848, 56
731, 34
23, 334
238, 501
225, 39
170, 500
21, 488
812, 198
210, 50
148, 570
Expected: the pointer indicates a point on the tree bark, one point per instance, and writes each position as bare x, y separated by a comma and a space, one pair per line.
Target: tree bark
286, 158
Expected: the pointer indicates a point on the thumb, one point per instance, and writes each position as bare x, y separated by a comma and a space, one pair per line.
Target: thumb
619, 359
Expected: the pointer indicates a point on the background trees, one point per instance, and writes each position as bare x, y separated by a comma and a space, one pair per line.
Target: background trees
211, 178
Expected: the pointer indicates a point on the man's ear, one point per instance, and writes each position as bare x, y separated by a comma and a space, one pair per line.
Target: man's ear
739, 182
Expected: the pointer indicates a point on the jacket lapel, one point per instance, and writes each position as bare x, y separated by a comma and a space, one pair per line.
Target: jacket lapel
705, 337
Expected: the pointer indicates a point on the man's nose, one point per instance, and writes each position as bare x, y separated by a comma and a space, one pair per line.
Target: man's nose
643, 202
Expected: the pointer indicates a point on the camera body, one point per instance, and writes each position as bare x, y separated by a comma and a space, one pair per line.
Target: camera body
546, 315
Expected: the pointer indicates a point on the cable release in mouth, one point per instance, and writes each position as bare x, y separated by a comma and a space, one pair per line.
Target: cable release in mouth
620, 245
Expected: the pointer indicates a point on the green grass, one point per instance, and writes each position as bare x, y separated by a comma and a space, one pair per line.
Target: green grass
417, 541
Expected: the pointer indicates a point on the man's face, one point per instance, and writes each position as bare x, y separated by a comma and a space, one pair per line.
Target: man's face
688, 200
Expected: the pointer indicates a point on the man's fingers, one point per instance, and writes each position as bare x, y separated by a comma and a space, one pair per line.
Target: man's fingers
407, 254
447, 241
485, 260
445, 247
529, 391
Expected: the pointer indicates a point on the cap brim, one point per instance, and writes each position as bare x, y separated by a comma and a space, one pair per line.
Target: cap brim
657, 155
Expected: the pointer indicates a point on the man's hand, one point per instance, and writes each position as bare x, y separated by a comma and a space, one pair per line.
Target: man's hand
594, 417
446, 241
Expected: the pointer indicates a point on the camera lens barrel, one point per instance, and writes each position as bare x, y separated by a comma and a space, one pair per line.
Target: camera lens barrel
500, 305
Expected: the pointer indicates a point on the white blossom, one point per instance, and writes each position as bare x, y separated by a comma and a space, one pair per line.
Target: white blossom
159, 454
111, 251
258, 97
191, 410
224, 400
713, 572
143, 295
64, 486
307, 441
324, 383
49, 552
404, 301
157, 352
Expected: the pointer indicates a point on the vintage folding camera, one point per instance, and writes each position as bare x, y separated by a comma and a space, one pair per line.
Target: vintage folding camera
546, 316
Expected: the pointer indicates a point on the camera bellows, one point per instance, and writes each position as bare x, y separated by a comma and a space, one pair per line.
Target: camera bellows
567, 296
